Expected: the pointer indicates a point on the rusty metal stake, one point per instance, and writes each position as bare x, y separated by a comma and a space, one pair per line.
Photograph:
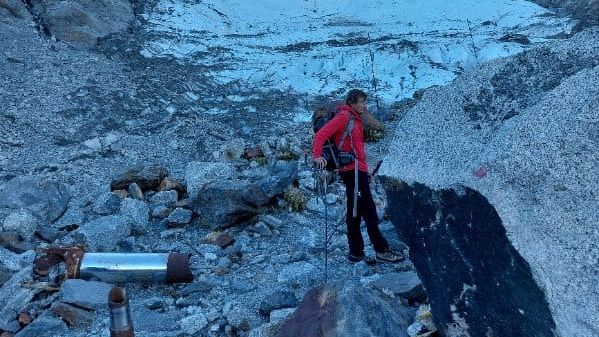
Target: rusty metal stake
120, 315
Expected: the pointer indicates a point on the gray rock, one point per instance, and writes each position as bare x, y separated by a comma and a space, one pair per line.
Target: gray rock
230, 250
44, 326
224, 262
265, 330
107, 203
307, 183
242, 287
166, 198
262, 229
127, 245
281, 314
155, 323
193, 324
347, 310
222, 198
297, 272
281, 258
154, 303
331, 198
503, 167
104, 234
46, 200
5, 274
48, 234
201, 286
138, 212
199, 174
135, 191
280, 175
224, 203
180, 216
406, 285
160, 211
14, 242
278, 300
415, 329
74, 216
316, 205
21, 222
86, 294
93, 144
13, 298
271, 220
82, 23
14, 8
147, 177
242, 317
308, 238
74, 316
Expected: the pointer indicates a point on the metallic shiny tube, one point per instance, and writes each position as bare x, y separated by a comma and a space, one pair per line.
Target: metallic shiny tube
120, 316
136, 267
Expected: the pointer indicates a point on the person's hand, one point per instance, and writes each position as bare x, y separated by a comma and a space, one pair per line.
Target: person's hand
320, 162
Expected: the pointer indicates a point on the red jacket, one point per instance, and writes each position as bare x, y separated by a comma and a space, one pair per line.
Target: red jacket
335, 128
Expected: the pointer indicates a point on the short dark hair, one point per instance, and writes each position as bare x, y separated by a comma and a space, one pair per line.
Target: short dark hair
354, 95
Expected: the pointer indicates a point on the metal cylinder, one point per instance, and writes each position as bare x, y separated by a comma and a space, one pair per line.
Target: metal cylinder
136, 267
120, 316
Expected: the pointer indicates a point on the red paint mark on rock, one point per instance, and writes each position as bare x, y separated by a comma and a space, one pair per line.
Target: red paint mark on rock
480, 172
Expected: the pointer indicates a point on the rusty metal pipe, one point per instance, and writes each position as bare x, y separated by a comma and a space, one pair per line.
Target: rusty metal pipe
115, 267
121, 324
136, 267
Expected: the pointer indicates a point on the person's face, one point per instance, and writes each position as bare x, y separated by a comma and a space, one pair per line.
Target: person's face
360, 105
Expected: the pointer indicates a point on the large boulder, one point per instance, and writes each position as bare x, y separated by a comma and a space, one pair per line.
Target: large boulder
45, 199
83, 22
491, 181
347, 310
222, 198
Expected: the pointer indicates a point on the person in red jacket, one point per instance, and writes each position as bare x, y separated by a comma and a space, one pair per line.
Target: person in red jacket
355, 105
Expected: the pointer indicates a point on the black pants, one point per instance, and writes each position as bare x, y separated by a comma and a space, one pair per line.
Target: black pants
366, 211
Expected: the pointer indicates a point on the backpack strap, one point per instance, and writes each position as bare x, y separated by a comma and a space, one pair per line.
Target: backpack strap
348, 129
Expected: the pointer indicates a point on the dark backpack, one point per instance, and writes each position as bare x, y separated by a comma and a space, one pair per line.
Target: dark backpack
331, 151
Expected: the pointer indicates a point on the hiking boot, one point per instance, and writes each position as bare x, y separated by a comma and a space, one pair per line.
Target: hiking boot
389, 256
354, 259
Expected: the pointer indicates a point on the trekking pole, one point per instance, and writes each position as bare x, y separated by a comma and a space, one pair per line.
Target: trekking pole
326, 235
376, 168
321, 189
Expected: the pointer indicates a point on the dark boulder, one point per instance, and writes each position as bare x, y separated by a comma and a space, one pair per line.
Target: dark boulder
147, 177
223, 198
348, 310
